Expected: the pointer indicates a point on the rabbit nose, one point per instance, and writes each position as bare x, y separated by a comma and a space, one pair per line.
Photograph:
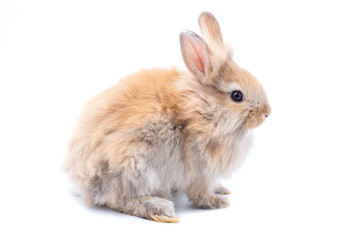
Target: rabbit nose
266, 111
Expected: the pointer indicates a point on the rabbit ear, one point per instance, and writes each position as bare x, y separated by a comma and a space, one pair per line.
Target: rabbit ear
210, 28
195, 53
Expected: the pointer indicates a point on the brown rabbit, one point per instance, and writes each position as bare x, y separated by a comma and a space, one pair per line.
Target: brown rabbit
160, 131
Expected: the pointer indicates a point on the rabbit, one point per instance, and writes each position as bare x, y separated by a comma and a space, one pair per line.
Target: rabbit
161, 131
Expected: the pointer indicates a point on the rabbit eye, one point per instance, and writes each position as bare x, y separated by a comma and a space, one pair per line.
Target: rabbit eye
237, 96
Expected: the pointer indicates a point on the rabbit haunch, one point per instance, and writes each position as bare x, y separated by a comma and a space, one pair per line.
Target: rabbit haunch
165, 130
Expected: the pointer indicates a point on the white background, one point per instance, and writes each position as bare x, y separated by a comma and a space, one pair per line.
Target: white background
301, 181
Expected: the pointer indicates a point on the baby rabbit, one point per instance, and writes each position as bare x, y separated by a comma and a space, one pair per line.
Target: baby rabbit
164, 130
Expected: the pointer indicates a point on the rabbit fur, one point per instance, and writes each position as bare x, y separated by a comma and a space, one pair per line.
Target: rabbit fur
164, 130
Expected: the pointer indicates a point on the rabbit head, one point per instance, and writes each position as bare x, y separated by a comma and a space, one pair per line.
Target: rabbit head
219, 79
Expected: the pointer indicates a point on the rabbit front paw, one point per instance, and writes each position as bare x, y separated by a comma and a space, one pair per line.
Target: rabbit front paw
222, 190
211, 202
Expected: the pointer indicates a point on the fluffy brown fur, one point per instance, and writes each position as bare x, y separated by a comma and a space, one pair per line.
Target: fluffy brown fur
160, 131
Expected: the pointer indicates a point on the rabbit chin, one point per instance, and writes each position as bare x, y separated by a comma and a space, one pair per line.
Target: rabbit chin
252, 122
